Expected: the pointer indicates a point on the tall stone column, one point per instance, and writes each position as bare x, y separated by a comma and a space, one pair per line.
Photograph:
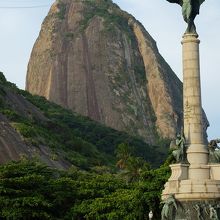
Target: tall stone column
194, 187
197, 153
198, 180
192, 90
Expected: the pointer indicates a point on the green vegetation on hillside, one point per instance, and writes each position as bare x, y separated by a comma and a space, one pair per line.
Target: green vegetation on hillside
112, 14
62, 10
111, 178
87, 137
83, 142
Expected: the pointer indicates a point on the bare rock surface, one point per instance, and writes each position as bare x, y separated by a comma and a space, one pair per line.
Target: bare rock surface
99, 61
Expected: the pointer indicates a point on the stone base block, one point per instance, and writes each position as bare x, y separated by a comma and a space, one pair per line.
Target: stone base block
192, 189
179, 172
214, 171
171, 187
199, 172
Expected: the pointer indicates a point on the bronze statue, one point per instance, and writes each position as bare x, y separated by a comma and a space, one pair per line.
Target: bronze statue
179, 149
213, 213
167, 210
214, 151
190, 8
199, 212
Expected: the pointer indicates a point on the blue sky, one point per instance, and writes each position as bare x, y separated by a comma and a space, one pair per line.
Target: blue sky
20, 28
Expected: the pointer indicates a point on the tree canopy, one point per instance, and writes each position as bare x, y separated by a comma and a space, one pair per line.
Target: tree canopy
31, 190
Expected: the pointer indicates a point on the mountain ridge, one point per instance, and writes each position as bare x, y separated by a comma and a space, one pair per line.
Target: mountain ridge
97, 60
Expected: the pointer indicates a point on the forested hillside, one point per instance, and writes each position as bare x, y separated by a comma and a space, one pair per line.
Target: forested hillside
36, 127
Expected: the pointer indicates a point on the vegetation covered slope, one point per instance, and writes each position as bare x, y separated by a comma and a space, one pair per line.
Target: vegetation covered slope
33, 126
107, 174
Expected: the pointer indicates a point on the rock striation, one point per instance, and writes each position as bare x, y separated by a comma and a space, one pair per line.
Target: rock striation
99, 61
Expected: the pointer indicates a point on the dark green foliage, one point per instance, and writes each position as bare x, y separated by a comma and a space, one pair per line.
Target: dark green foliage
123, 153
152, 185
2, 78
111, 13
3, 81
120, 204
69, 35
87, 137
11, 114
140, 73
132, 167
23, 190
30, 190
62, 10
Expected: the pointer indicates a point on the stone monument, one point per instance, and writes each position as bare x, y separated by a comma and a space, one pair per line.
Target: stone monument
195, 184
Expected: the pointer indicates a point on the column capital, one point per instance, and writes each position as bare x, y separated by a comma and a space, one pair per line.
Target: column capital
187, 38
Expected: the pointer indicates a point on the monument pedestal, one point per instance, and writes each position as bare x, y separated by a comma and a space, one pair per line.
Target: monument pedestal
194, 187
214, 171
196, 198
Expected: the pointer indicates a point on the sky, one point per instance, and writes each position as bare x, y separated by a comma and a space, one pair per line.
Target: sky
20, 23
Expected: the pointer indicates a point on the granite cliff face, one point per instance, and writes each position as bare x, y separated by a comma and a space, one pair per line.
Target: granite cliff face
97, 60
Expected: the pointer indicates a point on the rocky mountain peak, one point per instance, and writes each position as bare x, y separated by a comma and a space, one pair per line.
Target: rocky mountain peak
97, 60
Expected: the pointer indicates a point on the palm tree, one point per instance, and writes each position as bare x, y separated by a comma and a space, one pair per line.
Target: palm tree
134, 167
123, 152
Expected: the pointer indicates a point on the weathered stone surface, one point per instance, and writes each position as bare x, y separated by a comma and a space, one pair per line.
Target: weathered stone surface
99, 61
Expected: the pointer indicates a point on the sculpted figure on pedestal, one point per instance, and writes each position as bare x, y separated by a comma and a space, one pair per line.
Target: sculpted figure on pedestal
167, 210
214, 151
213, 213
199, 212
190, 8
179, 152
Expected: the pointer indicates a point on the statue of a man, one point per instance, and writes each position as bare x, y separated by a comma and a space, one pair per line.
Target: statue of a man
179, 152
214, 151
190, 8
